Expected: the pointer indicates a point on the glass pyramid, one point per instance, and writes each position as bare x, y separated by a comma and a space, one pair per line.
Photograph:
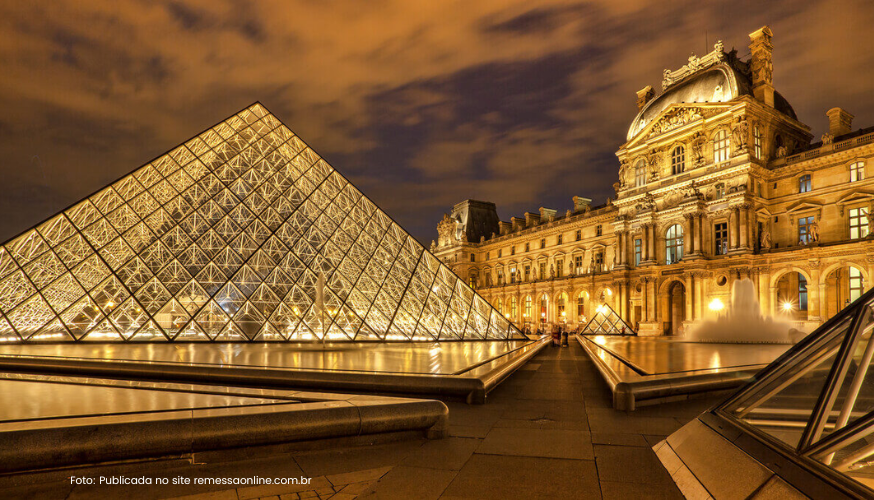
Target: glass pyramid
606, 321
817, 399
243, 233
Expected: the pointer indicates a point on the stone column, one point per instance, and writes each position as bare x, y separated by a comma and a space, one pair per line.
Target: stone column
644, 301
653, 315
690, 290
764, 297
743, 229
651, 242
696, 236
687, 235
773, 300
816, 305
699, 295
732, 229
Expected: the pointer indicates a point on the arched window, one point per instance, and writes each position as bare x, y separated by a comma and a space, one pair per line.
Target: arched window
544, 301
855, 284
678, 160
513, 309
500, 306
757, 142
720, 146
527, 312
560, 307
640, 173
581, 304
674, 244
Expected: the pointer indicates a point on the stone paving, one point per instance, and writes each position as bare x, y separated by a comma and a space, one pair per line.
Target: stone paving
547, 432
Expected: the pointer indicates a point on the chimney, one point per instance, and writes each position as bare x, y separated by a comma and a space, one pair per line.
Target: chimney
517, 223
505, 227
531, 219
547, 214
644, 95
840, 122
761, 67
581, 203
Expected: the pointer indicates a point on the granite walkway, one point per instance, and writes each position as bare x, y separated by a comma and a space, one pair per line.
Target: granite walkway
547, 432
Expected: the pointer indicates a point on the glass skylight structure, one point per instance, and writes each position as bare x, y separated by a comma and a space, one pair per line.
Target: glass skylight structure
243, 233
816, 402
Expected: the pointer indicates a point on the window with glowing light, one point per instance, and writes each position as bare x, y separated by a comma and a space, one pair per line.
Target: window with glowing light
560, 306
804, 224
720, 146
674, 244
678, 160
640, 173
527, 306
581, 303
856, 289
858, 222
757, 144
544, 302
512, 308
857, 171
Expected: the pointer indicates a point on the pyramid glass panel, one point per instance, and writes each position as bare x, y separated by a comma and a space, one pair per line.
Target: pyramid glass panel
225, 238
606, 321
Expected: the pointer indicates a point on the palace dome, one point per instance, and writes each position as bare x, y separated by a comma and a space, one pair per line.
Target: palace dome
722, 82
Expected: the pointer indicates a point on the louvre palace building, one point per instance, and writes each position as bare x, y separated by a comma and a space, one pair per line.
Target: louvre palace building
718, 181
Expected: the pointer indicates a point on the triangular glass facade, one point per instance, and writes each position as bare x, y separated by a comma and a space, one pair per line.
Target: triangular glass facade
606, 321
243, 233
818, 398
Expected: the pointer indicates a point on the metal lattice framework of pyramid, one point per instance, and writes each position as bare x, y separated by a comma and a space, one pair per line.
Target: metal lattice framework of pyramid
242, 233
606, 321
816, 401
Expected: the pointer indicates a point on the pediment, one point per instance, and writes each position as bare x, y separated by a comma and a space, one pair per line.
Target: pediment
804, 205
855, 196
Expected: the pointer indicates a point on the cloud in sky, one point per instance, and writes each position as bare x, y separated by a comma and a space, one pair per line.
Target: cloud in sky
421, 104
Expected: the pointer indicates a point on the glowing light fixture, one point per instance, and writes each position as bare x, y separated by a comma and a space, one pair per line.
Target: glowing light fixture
787, 306
716, 305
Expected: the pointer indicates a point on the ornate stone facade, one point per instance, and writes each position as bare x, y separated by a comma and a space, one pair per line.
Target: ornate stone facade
730, 188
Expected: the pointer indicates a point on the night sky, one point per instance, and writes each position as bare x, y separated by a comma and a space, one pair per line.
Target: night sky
421, 104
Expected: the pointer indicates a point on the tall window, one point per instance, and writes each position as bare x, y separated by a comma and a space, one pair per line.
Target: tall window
544, 301
542, 242
599, 230
527, 306
527, 273
543, 270
559, 266
488, 274
802, 292
513, 250
858, 223
581, 303
640, 173
487, 255
855, 283
472, 282
472, 258
598, 260
499, 253
527, 246
578, 264
804, 224
559, 239
500, 306
560, 306
678, 160
804, 184
757, 142
720, 237
638, 252
674, 244
513, 274
720, 146
857, 171
579, 235
513, 308
500, 276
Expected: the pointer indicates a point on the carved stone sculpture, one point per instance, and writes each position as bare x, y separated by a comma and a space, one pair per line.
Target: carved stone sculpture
552, 270
814, 231
765, 240
697, 146
740, 136
827, 139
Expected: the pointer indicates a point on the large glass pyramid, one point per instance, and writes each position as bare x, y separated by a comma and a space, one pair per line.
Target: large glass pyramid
242, 233
817, 400
606, 321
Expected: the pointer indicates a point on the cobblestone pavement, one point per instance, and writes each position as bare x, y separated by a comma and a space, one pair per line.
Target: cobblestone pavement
547, 432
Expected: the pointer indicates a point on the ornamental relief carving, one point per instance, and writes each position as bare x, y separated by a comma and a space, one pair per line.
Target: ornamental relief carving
676, 118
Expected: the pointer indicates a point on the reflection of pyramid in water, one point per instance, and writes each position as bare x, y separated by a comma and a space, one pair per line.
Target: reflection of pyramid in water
606, 321
818, 398
223, 238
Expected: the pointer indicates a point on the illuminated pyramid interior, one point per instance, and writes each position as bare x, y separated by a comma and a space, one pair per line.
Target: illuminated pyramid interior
606, 321
243, 233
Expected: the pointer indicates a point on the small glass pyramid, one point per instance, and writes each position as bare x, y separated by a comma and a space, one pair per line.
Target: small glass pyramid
817, 400
606, 321
243, 233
